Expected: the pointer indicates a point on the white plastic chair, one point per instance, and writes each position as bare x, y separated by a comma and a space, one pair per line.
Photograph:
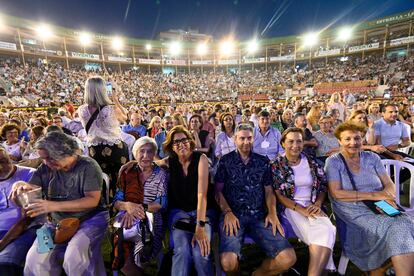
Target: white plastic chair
106, 182
407, 150
397, 167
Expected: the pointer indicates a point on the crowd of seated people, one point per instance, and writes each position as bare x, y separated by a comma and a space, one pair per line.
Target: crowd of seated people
241, 169
40, 83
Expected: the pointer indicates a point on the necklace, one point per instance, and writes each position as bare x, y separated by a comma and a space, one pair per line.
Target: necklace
294, 162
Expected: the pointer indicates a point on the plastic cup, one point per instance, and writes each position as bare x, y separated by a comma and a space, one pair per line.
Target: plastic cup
30, 196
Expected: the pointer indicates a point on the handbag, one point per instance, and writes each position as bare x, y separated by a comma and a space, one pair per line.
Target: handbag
66, 229
369, 203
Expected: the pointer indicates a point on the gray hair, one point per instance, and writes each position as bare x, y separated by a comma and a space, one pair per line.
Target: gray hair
58, 145
143, 141
95, 92
241, 127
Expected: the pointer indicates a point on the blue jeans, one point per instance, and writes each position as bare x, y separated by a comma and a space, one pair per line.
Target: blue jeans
184, 253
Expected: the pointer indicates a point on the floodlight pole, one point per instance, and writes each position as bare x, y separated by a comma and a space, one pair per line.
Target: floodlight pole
385, 41
294, 57
365, 42
21, 46
149, 66
214, 61
409, 34
66, 53
280, 54
133, 55
310, 57
103, 57
188, 60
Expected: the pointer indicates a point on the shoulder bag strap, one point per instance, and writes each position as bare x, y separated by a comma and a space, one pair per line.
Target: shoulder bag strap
93, 118
351, 178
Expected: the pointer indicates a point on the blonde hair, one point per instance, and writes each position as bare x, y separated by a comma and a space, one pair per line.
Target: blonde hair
151, 124
95, 92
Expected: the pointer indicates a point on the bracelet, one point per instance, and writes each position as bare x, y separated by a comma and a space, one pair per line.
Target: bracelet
294, 207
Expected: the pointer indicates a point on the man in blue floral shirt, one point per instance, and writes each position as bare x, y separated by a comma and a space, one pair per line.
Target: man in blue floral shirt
244, 194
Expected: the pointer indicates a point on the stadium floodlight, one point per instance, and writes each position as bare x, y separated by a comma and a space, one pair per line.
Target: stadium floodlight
202, 49
310, 39
148, 47
175, 48
345, 34
2, 25
117, 43
253, 46
85, 38
227, 47
44, 31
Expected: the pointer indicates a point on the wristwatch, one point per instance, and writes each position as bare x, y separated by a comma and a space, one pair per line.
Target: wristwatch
145, 206
201, 223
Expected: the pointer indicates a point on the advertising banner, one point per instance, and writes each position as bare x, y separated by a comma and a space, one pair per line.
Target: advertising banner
282, 58
359, 48
253, 60
149, 61
119, 59
201, 62
175, 62
402, 40
227, 62
324, 53
85, 55
8, 45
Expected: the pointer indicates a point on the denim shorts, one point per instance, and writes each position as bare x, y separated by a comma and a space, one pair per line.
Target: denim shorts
254, 228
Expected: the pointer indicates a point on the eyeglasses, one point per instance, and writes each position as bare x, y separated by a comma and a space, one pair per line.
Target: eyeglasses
181, 141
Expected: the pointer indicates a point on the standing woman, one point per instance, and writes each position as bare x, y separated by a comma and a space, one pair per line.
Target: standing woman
101, 119
224, 141
335, 102
301, 185
190, 201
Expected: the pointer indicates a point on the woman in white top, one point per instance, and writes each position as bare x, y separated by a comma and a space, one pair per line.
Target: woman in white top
104, 134
224, 140
300, 185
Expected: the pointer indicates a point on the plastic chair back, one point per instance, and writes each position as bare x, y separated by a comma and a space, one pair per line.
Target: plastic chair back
393, 168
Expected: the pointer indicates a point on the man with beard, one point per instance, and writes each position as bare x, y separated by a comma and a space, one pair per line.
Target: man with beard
248, 204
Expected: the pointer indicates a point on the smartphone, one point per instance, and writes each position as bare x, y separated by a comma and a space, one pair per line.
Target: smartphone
185, 226
387, 208
109, 88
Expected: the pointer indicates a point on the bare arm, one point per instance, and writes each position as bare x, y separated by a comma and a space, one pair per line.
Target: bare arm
202, 188
270, 200
312, 142
338, 193
89, 201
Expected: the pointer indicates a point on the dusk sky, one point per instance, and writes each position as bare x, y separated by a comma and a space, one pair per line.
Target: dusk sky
243, 18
